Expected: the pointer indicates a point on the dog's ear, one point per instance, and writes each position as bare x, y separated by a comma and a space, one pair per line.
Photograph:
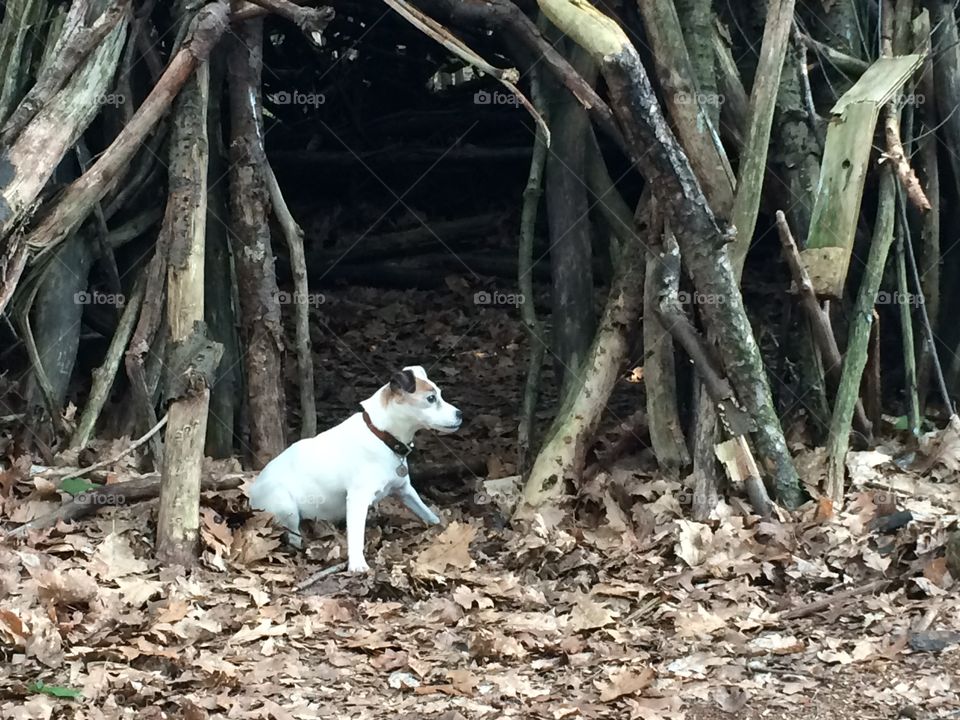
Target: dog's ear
403, 381
417, 371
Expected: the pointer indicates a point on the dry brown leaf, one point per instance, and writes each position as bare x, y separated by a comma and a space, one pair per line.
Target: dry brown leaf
449, 549
588, 614
115, 558
626, 681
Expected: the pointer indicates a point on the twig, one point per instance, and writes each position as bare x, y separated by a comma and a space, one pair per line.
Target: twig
844, 63
928, 329
438, 32
813, 119
319, 575
819, 321
293, 234
104, 375
528, 220
112, 495
313, 21
817, 605
80, 472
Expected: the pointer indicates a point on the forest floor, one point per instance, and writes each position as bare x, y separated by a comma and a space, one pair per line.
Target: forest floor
614, 605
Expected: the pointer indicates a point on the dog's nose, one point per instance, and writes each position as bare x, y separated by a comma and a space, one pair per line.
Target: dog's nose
459, 416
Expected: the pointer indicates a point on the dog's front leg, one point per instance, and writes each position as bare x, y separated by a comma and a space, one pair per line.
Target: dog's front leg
408, 496
358, 502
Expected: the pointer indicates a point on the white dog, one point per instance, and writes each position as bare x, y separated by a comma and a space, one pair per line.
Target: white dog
340, 473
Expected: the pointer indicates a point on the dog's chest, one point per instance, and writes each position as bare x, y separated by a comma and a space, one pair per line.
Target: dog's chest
391, 484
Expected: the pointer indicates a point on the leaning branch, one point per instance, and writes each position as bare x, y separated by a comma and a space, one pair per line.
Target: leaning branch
703, 245
79, 198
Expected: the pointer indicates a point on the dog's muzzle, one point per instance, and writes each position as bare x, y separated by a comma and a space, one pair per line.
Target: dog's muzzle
455, 426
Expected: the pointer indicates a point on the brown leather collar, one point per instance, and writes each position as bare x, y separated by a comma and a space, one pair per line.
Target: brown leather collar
400, 448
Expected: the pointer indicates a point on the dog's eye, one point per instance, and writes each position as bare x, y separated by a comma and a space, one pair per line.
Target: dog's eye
431, 398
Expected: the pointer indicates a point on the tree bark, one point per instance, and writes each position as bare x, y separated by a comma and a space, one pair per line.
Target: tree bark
178, 519
78, 200
702, 243
28, 163
855, 358
563, 455
689, 104
570, 231
221, 298
261, 331
659, 359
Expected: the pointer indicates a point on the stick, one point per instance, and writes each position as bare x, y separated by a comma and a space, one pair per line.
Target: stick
927, 327
528, 220
906, 333
763, 103
504, 15
817, 605
313, 21
845, 63
104, 375
122, 493
675, 321
856, 358
319, 575
80, 472
435, 30
293, 234
75, 203
819, 322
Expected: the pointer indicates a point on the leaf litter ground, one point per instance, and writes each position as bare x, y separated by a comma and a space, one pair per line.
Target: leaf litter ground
612, 605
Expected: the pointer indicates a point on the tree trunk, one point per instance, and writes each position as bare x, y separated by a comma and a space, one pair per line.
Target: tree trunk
57, 314
261, 331
178, 519
220, 306
563, 455
568, 217
659, 361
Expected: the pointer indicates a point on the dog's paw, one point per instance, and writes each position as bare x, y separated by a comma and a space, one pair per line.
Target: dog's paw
358, 567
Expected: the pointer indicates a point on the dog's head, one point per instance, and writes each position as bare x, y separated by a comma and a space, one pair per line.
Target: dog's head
413, 398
